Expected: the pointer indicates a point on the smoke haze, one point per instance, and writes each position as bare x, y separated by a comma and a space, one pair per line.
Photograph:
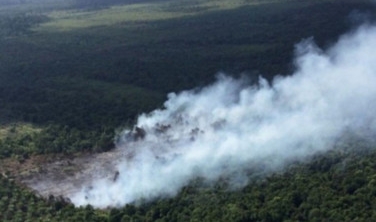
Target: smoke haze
233, 126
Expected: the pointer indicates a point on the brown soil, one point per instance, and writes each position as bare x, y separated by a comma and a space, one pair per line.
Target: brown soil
61, 175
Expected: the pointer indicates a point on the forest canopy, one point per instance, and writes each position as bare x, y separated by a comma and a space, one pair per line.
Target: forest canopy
75, 73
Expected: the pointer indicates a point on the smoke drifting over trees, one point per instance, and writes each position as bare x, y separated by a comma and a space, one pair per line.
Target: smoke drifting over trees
231, 127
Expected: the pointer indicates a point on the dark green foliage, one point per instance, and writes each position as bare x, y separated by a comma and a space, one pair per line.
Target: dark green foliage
97, 79
115, 215
19, 24
56, 139
346, 191
72, 119
70, 140
300, 194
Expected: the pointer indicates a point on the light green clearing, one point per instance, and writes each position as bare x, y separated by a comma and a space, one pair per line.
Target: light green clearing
18, 129
66, 20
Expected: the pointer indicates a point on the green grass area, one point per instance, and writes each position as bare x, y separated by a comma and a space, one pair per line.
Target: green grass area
18, 140
17, 129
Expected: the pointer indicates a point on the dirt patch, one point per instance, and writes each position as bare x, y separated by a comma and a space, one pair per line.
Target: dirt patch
61, 175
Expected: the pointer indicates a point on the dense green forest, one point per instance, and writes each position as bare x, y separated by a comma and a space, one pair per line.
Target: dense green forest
72, 73
92, 72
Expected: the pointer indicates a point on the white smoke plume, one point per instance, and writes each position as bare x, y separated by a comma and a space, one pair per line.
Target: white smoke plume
231, 126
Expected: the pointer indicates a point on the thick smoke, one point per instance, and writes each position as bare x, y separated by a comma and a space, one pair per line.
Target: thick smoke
232, 127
